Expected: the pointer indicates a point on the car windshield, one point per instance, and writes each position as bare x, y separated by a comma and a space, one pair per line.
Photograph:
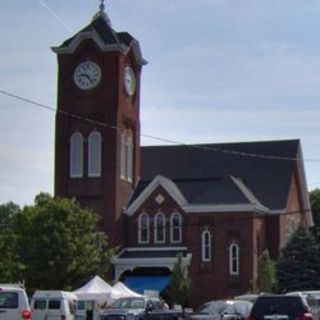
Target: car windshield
214, 307
129, 303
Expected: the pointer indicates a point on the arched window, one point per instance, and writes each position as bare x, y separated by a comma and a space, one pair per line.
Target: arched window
234, 259
160, 228
206, 246
94, 154
123, 155
143, 236
127, 151
176, 227
76, 155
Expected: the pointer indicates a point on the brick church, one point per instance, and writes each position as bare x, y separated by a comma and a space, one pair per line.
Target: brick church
218, 205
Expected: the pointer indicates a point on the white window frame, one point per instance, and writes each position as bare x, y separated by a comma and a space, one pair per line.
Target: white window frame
234, 259
123, 155
141, 216
163, 219
206, 246
126, 156
129, 157
76, 152
94, 154
174, 227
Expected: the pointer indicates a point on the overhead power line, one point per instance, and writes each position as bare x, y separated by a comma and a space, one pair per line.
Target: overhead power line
210, 221
55, 15
106, 125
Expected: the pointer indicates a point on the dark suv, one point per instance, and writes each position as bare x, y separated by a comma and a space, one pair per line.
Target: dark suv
284, 307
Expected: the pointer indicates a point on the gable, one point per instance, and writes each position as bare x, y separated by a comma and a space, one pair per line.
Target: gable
146, 190
229, 194
100, 31
298, 203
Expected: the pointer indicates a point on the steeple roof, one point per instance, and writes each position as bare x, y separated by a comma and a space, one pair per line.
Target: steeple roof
102, 13
107, 39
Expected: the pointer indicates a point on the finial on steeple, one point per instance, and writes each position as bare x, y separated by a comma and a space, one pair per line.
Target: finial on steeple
101, 7
102, 13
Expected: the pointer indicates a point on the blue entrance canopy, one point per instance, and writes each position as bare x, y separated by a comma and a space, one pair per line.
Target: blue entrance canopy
141, 283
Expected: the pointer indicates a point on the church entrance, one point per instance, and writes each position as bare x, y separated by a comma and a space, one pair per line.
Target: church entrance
151, 281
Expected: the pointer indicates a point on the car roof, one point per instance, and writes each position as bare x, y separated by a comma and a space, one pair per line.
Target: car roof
247, 297
305, 292
285, 296
8, 288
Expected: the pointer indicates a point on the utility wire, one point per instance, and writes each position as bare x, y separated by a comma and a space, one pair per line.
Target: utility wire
207, 220
207, 147
55, 15
203, 147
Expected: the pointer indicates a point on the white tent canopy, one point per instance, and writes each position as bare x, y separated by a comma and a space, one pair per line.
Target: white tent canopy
96, 289
99, 290
125, 291
119, 290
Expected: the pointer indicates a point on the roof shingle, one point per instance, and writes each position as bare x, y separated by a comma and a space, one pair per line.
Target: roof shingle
202, 172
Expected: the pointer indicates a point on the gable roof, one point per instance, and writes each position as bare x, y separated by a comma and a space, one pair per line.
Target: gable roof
144, 189
211, 195
100, 31
201, 171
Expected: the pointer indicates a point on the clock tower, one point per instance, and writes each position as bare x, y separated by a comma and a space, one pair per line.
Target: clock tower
97, 134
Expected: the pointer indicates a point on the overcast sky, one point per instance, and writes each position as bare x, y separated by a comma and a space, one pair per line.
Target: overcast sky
218, 71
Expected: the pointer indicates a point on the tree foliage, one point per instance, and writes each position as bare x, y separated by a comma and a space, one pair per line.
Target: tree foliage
267, 280
8, 260
179, 290
299, 263
315, 207
57, 245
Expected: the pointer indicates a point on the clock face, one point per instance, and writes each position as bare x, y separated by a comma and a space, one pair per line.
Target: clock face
87, 75
129, 81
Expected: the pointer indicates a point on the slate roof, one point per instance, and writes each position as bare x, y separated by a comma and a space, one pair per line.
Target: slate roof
106, 33
105, 37
202, 172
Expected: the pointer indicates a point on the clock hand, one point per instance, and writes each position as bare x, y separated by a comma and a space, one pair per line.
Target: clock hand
86, 76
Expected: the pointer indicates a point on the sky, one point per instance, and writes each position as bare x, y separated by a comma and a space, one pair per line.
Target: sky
218, 71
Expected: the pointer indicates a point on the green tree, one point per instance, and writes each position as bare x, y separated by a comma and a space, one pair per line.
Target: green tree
315, 207
8, 260
58, 244
267, 280
179, 290
299, 263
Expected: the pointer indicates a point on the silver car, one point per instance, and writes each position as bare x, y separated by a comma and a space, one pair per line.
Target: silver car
222, 310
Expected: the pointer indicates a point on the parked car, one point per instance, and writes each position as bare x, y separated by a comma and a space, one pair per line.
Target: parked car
53, 305
139, 308
252, 297
285, 307
314, 293
14, 303
222, 310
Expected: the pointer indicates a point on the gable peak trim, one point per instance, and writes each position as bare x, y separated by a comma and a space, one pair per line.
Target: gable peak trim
166, 184
92, 34
245, 190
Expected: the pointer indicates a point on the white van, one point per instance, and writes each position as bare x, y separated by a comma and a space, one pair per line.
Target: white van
14, 303
53, 305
